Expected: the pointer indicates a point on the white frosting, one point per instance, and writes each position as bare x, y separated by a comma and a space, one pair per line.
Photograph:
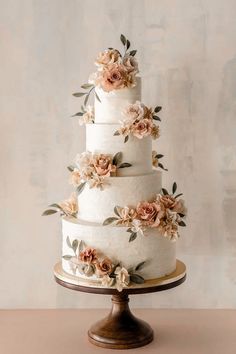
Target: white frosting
112, 104
113, 242
100, 138
97, 205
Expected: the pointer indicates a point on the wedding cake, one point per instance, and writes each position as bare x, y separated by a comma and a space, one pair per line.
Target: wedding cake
120, 226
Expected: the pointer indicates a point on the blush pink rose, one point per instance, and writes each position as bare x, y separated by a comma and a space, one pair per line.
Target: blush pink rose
89, 255
113, 77
147, 213
104, 267
103, 165
142, 128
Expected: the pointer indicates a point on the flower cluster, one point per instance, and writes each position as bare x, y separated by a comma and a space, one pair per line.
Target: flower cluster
165, 212
94, 168
88, 261
87, 115
68, 207
115, 71
139, 122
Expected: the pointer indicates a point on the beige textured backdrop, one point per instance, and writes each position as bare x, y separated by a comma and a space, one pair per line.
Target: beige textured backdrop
187, 55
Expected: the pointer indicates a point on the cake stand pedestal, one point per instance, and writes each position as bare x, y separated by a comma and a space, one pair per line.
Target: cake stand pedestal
121, 329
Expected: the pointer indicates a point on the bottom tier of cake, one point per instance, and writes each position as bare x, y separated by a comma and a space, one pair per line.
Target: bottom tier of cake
103, 253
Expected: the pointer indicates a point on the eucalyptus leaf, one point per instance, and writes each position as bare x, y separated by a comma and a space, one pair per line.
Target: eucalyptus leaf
70, 168
116, 133
132, 52
156, 118
159, 156
116, 211
181, 215
137, 279
117, 158
79, 114
55, 205
129, 229
75, 245
68, 242
182, 223
133, 236
126, 138
174, 187
123, 39
79, 94
80, 188
127, 44
178, 195
140, 265
125, 164
165, 191
109, 221
161, 166
86, 100
87, 86
81, 246
67, 257
157, 109
97, 97
49, 212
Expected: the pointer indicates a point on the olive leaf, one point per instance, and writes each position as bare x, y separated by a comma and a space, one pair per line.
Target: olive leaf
165, 191
126, 138
78, 114
70, 168
174, 187
49, 212
79, 94
81, 246
133, 236
156, 118
75, 245
116, 210
182, 223
178, 195
116, 133
86, 99
55, 205
181, 215
97, 97
137, 279
123, 39
140, 265
67, 257
129, 229
157, 109
161, 166
68, 242
132, 52
80, 188
109, 221
125, 164
159, 156
127, 44
86, 86
117, 158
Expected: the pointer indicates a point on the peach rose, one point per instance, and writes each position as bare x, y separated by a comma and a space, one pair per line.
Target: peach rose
168, 201
113, 77
148, 213
169, 225
155, 131
142, 128
70, 206
130, 64
107, 57
103, 165
89, 255
104, 267
75, 177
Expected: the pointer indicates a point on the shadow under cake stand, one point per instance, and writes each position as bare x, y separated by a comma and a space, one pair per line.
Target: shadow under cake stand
121, 329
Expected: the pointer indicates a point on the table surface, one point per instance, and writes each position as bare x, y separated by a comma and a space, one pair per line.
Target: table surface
65, 331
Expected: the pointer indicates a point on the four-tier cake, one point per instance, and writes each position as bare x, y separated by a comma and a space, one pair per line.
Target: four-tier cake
120, 226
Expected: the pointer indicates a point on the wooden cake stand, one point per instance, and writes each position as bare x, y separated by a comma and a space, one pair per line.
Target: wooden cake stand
121, 329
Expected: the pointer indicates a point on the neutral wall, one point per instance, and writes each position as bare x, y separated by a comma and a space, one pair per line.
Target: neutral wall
187, 55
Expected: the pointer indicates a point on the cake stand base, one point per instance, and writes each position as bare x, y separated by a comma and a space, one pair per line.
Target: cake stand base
120, 329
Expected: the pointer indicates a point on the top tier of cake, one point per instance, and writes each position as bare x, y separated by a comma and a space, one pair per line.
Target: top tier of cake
113, 103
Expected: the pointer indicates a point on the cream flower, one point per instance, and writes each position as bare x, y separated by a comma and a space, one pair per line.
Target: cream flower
98, 182
134, 112
155, 131
169, 225
107, 281
142, 128
127, 215
103, 165
75, 177
107, 57
137, 227
104, 267
69, 206
131, 64
88, 116
122, 278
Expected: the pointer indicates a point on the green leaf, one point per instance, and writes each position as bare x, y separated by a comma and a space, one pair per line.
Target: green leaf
97, 97
157, 109
67, 257
116, 133
82, 109
159, 156
86, 100
110, 48
78, 114
75, 245
133, 236
123, 39
116, 211
117, 158
71, 168
161, 166
55, 205
87, 86
181, 215
182, 223
174, 187
79, 94
165, 191
49, 212
140, 265
81, 246
137, 279
178, 195
125, 164
109, 221
126, 138
127, 44
132, 52
156, 118
68, 242
129, 230
80, 188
